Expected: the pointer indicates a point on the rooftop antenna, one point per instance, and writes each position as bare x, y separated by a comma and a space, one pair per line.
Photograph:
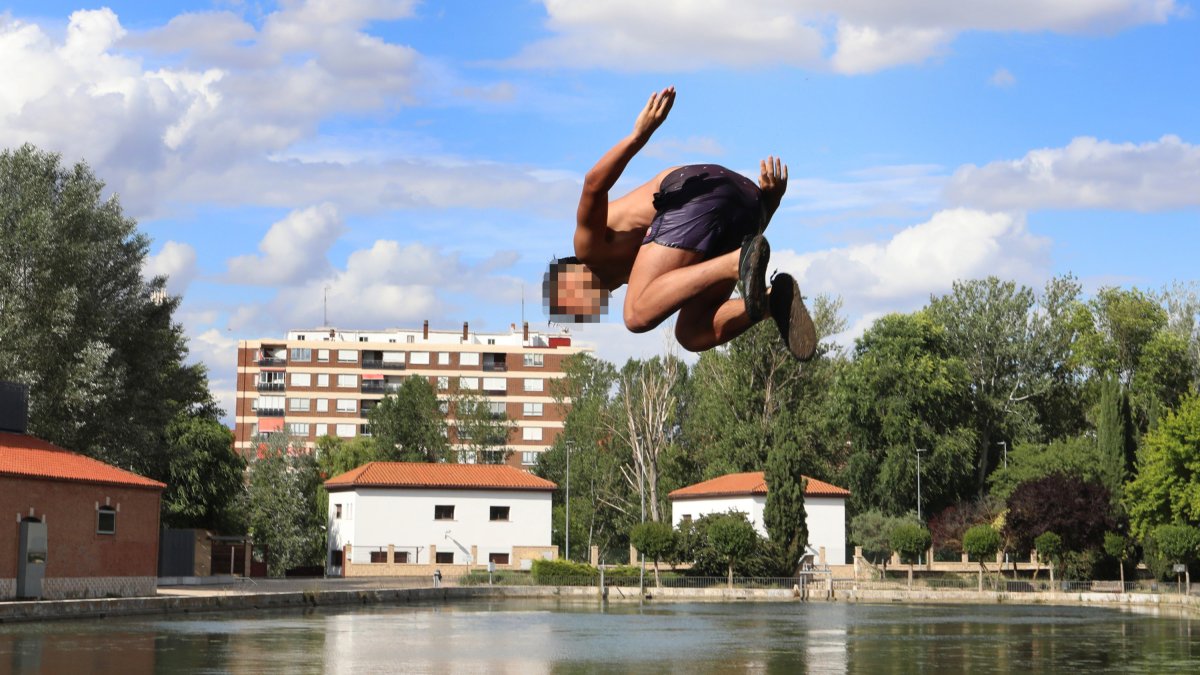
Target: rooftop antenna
522, 304
325, 308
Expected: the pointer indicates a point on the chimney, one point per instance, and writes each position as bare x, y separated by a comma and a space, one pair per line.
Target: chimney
465, 331
525, 332
425, 330
14, 407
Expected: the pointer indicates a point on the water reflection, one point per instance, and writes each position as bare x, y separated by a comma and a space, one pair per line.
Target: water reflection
533, 637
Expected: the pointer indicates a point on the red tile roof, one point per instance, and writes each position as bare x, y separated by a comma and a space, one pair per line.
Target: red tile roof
22, 455
444, 476
751, 483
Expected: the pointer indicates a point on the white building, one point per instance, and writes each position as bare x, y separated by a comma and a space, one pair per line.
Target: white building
405, 518
824, 508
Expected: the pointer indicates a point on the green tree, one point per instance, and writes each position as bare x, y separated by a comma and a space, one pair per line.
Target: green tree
982, 542
1118, 547
1166, 487
733, 538
902, 391
1049, 547
1177, 544
409, 425
1115, 436
206, 478
910, 540
482, 428
1079, 456
656, 540
281, 505
784, 515
335, 457
872, 530
95, 342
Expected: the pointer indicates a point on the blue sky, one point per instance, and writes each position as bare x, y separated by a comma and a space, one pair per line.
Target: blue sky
422, 159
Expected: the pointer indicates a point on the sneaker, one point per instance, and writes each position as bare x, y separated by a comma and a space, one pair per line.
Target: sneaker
752, 275
795, 324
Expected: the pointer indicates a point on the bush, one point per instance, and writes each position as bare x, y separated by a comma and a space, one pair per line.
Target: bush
1048, 545
552, 571
1169, 545
909, 540
981, 542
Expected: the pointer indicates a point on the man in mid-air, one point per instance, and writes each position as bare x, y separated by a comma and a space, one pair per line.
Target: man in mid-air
682, 242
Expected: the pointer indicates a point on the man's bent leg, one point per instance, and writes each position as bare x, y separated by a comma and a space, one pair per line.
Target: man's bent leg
664, 278
712, 319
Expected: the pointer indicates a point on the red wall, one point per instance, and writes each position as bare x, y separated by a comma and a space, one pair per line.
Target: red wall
69, 511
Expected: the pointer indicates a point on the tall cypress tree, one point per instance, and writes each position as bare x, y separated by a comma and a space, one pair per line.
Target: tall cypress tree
784, 512
1114, 434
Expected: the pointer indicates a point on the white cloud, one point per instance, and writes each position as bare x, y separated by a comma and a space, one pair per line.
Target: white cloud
900, 273
682, 149
1002, 78
175, 261
1088, 174
293, 250
850, 37
218, 352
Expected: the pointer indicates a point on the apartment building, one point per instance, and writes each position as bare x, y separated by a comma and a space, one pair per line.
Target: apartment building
326, 380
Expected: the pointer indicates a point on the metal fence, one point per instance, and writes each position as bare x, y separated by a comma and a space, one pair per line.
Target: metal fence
817, 582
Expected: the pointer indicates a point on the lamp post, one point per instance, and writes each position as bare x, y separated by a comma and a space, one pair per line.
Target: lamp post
919, 451
1004, 444
568, 446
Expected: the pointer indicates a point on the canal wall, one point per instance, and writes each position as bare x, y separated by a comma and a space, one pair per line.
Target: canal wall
174, 605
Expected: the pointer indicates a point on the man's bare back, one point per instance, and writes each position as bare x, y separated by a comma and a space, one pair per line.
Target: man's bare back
611, 252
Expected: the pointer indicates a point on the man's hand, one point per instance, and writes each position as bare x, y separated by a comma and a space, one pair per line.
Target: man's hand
654, 114
772, 180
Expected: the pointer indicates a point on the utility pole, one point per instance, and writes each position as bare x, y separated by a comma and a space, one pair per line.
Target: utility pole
919, 451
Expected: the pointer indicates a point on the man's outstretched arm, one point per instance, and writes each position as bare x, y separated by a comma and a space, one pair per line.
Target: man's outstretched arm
593, 203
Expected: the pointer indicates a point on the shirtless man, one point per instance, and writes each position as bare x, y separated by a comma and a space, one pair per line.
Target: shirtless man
682, 242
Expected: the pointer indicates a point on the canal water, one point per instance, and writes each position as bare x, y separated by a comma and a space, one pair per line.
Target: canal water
530, 637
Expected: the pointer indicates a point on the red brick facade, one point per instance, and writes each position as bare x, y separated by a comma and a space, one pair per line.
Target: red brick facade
69, 510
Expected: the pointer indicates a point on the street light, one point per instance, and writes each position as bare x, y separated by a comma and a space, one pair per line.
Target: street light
1004, 444
568, 447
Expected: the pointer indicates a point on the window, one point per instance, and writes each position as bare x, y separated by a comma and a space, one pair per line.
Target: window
497, 409
443, 512
468, 383
534, 384
299, 404
494, 384
444, 407
534, 361
443, 383
498, 513
418, 358
531, 433
323, 380
498, 558
322, 430
531, 409
443, 358
347, 405
378, 556
445, 557
301, 380
468, 359
298, 428
347, 356
363, 338
268, 403
300, 354
410, 338
323, 355
347, 381
106, 520
322, 405
345, 430
337, 511
299, 337
491, 341
400, 557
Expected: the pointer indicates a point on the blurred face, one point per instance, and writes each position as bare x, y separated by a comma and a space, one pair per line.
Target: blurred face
579, 292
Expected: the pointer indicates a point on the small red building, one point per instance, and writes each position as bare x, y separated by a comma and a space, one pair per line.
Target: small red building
94, 527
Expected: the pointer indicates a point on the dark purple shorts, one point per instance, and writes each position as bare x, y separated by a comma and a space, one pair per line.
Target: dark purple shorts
705, 208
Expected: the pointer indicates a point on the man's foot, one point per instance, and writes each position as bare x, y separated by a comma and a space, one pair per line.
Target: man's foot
795, 324
752, 275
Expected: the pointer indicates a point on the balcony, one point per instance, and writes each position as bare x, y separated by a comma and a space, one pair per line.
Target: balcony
269, 386
495, 392
382, 365
498, 367
269, 412
373, 387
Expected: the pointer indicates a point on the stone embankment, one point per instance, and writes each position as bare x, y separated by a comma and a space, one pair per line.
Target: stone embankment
294, 595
